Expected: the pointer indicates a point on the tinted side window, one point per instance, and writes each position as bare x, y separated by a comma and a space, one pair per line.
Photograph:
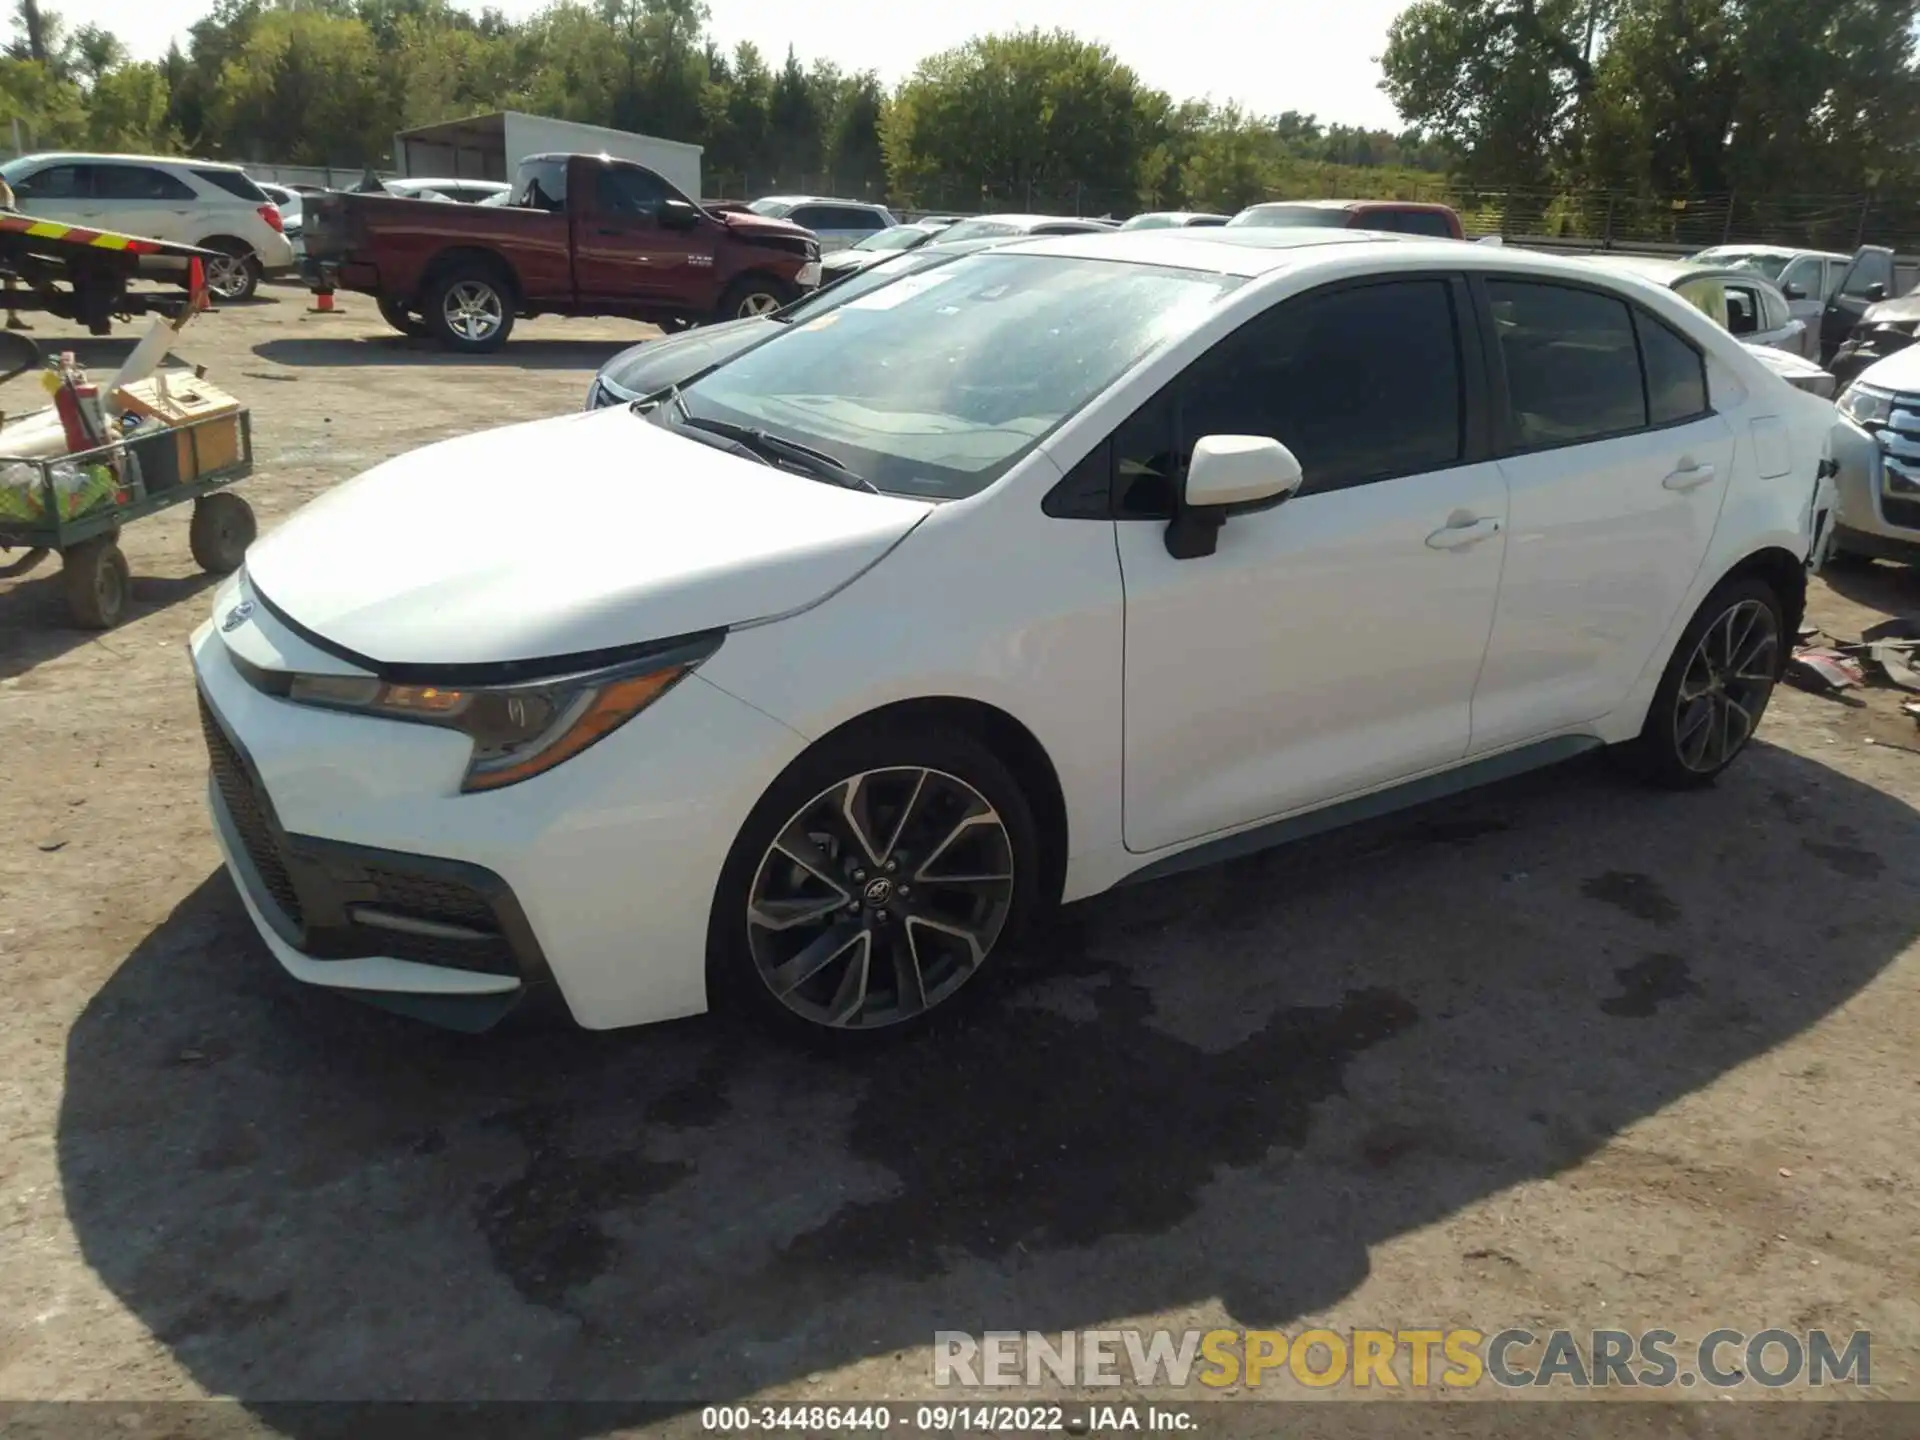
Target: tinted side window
1573, 371
137, 182
621, 191
853, 218
1406, 222
1676, 373
1875, 269
812, 217
233, 182
1743, 312
1805, 273
1316, 375
542, 186
57, 182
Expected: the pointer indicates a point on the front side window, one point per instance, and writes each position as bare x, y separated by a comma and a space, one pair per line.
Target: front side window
1870, 270
1573, 370
938, 383
620, 190
56, 182
1407, 222
1805, 275
1315, 375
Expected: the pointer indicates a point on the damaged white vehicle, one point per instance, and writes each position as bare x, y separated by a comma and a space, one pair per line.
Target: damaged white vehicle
1069, 564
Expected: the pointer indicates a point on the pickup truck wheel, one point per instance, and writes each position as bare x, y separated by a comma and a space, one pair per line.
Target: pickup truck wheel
234, 272
753, 295
401, 318
470, 310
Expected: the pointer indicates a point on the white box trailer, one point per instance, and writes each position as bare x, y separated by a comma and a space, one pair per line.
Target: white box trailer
491, 147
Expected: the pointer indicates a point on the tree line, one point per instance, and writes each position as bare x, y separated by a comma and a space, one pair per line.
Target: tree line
1558, 99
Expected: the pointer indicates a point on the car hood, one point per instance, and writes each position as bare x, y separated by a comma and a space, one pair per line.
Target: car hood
1904, 311
561, 537
1899, 371
851, 259
749, 226
655, 364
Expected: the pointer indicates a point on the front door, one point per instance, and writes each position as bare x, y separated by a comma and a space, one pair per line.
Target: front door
1867, 281
62, 191
1329, 645
1615, 479
625, 255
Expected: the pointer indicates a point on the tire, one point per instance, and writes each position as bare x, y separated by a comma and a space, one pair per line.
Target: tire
469, 309
932, 797
752, 295
1702, 689
94, 575
222, 529
402, 319
239, 279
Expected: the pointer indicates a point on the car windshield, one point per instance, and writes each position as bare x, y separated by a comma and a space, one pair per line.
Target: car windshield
1767, 265
772, 209
818, 302
900, 237
936, 384
1324, 216
979, 230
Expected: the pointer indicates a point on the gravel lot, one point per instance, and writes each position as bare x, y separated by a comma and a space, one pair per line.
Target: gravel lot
1564, 1053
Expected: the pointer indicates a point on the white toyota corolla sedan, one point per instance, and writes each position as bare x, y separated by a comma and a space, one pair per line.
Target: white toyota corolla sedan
1067, 564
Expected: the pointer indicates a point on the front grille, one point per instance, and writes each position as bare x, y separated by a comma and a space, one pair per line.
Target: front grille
1904, 513
251, 812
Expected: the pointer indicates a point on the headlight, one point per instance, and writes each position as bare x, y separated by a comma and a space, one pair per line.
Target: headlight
518, 730
1866, 406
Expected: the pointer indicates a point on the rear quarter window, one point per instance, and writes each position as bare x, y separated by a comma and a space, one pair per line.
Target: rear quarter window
233, 182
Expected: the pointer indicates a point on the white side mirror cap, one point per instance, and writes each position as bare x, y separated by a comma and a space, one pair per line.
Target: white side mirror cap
1491, 240
1239, 470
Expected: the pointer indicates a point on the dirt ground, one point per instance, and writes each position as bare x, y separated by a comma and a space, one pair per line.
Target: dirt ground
1561, 1054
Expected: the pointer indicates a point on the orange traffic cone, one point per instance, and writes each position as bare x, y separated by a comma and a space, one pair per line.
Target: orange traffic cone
198, 296
322, 303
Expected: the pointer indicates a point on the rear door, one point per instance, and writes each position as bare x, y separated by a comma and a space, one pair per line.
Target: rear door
624, 252
1615, 466
1867, 280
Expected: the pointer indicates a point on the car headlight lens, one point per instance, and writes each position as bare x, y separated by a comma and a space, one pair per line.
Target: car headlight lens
518, 730
1866, 406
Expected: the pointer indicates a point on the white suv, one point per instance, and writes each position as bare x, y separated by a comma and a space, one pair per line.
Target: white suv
190, 202
1067, 564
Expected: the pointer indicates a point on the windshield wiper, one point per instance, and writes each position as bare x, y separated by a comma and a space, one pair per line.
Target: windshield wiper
775, 447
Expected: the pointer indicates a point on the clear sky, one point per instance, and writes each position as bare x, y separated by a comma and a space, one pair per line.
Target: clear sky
1313, 57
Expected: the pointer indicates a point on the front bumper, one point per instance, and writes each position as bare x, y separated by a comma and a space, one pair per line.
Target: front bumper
1878, 485
366, 870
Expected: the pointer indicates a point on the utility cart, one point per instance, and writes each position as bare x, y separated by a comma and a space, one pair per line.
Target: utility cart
73, 505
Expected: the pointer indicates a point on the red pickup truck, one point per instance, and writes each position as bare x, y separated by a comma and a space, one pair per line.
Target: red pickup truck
578, 235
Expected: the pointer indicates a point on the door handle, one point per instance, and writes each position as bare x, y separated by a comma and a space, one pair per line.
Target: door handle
1688, 477
1461, 532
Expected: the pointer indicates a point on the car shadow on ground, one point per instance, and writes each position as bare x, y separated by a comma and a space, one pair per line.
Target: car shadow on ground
1889, 588
1229, 1084
533, 354
36, 625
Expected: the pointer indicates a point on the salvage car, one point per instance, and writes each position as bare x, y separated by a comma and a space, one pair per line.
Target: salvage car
653, 365
1069, 564
1000, 227
1879, 479
1394, 217
1885, 327
1745, 303
585, 235
877, 247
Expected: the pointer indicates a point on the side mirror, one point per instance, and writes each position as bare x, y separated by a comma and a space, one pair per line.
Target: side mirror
1793, 292
1876, 292
1228, 475
679, 215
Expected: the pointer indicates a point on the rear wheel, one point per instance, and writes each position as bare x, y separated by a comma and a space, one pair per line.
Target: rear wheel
95, 577
234, 271
401, 318
1716, 686
470, 309
873, 884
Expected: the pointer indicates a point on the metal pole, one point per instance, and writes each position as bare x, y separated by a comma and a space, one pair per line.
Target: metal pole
1726, 231
1606, 234
1860, 231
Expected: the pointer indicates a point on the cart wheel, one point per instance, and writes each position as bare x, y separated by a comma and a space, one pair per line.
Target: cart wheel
223, 527
96, 580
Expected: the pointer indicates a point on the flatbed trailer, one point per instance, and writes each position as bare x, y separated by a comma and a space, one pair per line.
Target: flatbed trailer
48, 267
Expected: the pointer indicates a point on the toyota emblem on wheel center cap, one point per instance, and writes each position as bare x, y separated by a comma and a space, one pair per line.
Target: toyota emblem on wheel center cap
878, 891
237, 616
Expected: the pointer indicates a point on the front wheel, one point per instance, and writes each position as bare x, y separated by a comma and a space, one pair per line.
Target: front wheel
753, 295
874, 882
470, 310
1716, 687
